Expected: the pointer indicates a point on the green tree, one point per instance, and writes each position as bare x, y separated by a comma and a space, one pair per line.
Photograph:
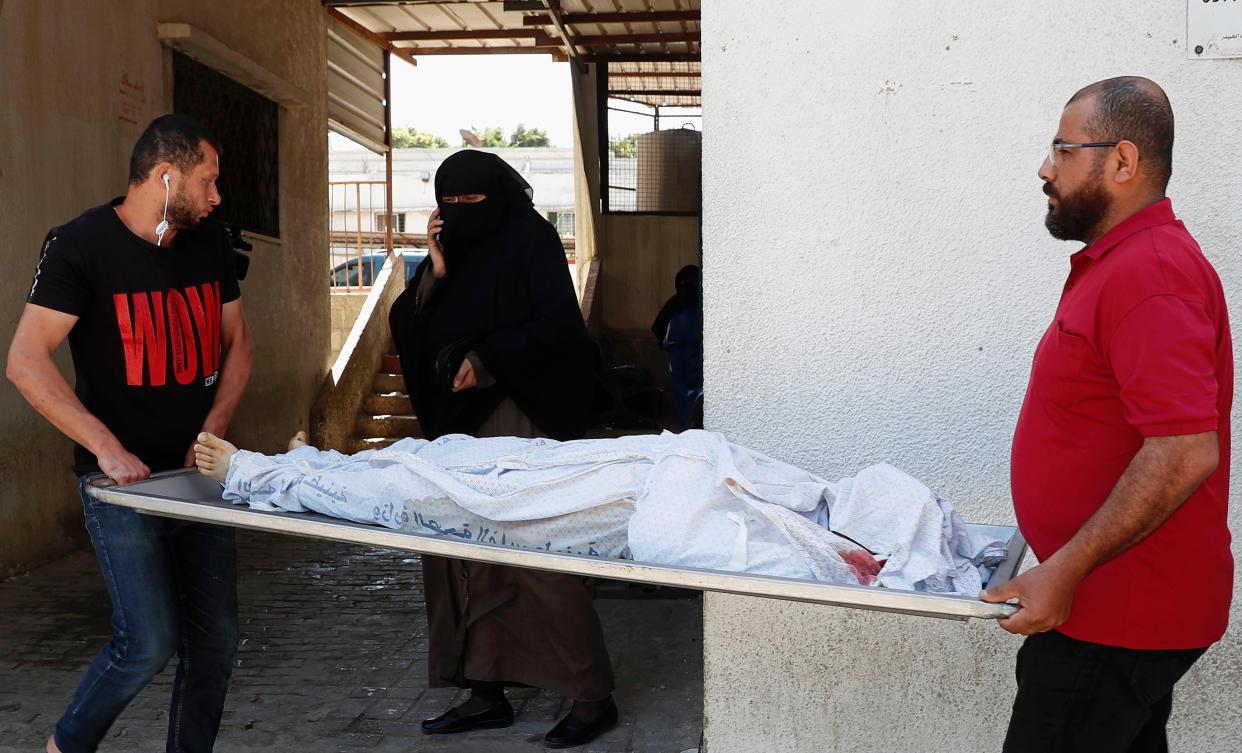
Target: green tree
522, 136
625, 147
533, 137
408, 137
493, 137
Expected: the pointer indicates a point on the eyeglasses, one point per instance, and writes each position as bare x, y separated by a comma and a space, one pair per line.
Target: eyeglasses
1058, 145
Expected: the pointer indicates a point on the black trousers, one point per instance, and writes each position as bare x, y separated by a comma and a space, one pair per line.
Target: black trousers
1079, 696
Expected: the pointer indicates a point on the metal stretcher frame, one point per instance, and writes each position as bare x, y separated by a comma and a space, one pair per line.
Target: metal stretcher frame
188, 495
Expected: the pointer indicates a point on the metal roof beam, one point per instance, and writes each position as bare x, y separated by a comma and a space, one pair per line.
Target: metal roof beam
554, 12
674, 57
467, 34
600, 40
616, 73
420, 51
655, 92
623, 17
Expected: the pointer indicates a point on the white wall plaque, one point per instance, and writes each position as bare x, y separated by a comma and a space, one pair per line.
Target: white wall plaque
1213, 29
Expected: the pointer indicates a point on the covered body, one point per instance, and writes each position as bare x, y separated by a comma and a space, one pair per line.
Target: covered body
690, 499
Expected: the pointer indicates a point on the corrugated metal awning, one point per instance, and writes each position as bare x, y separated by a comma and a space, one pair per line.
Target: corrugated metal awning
356, 87
652, 47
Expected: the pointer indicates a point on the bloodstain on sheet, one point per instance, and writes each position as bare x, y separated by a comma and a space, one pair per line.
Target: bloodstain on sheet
862, 563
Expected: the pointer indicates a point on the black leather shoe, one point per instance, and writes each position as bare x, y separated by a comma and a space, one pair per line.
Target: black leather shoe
571, 732
495, 717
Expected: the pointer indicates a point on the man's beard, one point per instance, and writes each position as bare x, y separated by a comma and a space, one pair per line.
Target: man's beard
181, 212
1078, 214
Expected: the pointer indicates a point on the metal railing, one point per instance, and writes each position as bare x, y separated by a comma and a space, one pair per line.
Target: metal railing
359, 233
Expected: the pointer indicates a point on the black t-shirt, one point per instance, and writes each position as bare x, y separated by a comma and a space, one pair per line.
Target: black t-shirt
146, 346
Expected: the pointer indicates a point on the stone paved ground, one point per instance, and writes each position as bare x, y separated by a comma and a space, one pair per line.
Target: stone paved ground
333, 658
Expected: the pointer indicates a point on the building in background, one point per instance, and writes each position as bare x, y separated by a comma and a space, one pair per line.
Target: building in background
549, 170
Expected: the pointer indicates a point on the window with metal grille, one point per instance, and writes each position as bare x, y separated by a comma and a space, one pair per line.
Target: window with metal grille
564, 222
246, 125
652, 160
398, 222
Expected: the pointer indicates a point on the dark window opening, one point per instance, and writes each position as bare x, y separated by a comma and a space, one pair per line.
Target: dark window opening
246, 125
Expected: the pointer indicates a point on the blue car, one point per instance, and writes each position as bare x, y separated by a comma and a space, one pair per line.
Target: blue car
361, 271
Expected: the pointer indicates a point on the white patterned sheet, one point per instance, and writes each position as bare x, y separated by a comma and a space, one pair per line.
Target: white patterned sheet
691, 499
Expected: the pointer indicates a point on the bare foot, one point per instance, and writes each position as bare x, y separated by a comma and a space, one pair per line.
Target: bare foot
212, 455
51, 745
299, 440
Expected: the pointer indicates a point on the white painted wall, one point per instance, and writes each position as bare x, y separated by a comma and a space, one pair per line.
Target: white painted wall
874, 291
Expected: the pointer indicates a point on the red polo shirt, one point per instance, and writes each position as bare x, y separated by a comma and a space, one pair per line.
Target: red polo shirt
1139, 347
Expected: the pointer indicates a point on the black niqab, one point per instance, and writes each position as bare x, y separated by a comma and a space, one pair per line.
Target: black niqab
471, 172
507, 297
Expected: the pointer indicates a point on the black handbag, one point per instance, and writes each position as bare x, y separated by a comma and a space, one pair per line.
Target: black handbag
449, 360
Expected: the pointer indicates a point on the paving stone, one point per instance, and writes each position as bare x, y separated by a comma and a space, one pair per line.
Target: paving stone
388, 709
545, 708
333, 658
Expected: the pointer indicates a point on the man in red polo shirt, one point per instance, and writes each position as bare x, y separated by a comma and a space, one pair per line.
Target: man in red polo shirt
1120, 466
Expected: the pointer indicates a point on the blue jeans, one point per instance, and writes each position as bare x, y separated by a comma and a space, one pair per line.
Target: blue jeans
173, 586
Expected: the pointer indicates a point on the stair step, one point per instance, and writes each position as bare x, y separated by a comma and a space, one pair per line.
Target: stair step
358, 444
388, 404
390, 364
384, 382
387, 426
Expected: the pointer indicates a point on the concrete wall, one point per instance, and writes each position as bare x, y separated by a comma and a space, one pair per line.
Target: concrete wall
345, 308
641, 254
895, 279
79, 81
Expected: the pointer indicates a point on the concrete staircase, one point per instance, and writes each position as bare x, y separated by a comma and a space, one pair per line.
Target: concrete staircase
386, 413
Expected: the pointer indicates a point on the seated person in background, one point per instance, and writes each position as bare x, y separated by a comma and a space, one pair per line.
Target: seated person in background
679, 329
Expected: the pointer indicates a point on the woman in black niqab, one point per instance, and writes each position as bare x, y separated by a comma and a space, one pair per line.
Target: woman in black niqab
507, 300
500, 305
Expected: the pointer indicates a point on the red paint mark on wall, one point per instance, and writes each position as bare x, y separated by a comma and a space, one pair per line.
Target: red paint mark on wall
132, 98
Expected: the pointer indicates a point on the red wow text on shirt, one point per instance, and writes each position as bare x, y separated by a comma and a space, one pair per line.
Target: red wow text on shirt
187, 323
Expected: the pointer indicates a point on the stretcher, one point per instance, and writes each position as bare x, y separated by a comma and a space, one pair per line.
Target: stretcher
188, 495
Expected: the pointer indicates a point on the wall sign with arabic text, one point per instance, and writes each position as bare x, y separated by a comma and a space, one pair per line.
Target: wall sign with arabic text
1213, 29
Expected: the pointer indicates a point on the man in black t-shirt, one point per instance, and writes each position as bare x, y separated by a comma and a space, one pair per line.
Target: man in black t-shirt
145, 290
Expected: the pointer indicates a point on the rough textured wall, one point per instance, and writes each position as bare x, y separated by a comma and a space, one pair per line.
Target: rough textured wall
642, 254
76, 96
344, 308
79, 82
895, 280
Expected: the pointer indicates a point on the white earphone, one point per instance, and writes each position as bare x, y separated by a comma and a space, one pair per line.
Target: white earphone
162, 228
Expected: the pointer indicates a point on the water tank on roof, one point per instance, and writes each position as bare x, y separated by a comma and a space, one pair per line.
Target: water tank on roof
670, 166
